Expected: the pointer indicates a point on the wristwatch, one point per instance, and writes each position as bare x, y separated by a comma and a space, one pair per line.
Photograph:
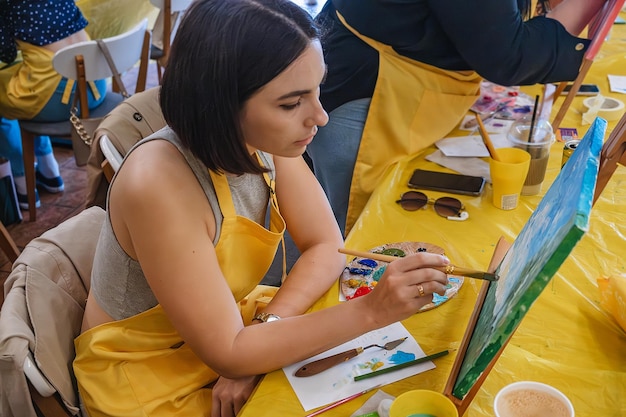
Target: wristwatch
266, 317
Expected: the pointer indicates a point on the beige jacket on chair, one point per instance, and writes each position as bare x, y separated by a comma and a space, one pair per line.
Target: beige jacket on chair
45, 296
132, 120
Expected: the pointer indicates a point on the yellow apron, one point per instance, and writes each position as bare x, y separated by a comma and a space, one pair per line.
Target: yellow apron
413, 105
140, 366
27, 86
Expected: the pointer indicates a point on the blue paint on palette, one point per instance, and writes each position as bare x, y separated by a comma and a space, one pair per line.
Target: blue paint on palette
368, 262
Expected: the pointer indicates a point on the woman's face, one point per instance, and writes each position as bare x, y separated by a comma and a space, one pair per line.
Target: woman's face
282, 117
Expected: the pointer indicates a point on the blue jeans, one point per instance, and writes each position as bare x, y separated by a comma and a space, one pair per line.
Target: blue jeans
53, 111
56, 111
333, 153
334, 150
11, 145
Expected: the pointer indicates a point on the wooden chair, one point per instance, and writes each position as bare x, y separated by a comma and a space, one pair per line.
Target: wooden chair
112, 157
85, 62
170, 11
7, 244
598, 31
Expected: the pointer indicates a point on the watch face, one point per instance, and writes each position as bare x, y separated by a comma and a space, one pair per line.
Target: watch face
271, 317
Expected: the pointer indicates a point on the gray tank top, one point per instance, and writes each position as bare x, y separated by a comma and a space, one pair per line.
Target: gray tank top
117, 281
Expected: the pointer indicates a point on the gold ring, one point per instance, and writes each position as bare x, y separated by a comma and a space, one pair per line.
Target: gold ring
420, 288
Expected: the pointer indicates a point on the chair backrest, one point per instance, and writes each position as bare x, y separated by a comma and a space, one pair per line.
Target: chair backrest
167, 8
126, 50
112, 157
175, 5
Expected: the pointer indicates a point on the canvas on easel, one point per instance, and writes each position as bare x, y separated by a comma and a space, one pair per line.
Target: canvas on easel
526, 267
598, 31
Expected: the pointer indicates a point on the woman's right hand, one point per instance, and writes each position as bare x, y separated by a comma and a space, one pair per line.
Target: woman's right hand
407, 285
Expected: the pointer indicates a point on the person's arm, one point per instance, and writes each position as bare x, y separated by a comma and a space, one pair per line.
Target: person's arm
312, 225
574, 15
161, 216
495, 41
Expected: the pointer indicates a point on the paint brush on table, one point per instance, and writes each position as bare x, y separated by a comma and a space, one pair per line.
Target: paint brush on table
338, 403
449, 269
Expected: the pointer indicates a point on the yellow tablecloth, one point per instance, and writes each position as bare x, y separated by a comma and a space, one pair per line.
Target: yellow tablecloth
566, 338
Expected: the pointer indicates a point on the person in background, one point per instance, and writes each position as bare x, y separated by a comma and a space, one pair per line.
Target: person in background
30, 88
403, 73
162, 332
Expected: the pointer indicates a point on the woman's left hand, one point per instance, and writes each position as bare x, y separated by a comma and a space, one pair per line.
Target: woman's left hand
229, 395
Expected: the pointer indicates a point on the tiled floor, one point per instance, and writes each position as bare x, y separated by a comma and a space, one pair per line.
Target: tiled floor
55, 208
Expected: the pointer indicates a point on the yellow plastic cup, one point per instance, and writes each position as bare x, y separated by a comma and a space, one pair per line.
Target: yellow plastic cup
422, 403
508, 176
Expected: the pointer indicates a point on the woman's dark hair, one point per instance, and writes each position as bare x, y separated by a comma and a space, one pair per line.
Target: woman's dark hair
224, 51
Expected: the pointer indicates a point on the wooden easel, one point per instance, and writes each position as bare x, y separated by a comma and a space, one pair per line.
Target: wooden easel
463, 403
598, 31
613, 152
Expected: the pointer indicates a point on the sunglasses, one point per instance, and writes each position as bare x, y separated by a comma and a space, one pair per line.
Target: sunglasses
447, 207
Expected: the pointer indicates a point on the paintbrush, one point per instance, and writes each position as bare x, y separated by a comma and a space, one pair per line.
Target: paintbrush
338, 403
448, 269
487, 139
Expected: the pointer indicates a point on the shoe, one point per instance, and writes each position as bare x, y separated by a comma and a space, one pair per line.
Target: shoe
51, 185
22, 199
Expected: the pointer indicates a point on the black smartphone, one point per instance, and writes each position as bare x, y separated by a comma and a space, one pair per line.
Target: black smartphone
584, 90
446, 182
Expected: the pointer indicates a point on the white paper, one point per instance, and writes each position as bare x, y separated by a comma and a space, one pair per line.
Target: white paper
373, 403
338, 382
465, 166
617, 83
471, 146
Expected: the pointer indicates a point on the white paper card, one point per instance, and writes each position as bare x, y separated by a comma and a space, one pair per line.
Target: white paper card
617, 83
471, 145
338, 382
466, 166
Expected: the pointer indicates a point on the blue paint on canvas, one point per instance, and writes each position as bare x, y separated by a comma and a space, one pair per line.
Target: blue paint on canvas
558, 223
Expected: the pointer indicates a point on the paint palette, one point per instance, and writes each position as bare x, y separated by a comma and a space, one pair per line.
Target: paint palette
361, 275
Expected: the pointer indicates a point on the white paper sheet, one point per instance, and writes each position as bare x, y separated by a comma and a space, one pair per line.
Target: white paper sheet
338, 382
466, 166
471, 145
617, 83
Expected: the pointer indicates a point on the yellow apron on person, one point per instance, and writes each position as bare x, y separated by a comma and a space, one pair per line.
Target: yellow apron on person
28, 85
140, 366
413, 105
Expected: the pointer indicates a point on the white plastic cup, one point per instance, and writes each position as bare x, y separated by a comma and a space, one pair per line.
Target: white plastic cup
530, 398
